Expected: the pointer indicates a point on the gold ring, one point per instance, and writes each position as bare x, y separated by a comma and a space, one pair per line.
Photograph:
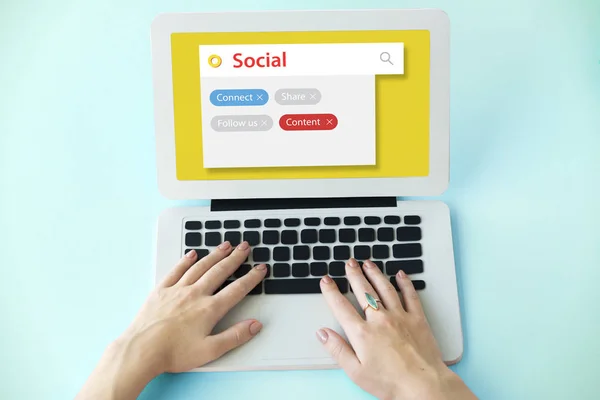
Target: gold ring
371, 302
214, 61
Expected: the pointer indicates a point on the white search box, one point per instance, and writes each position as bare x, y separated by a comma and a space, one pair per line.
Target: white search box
302, 59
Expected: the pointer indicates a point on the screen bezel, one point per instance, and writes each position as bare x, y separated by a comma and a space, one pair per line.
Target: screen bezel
433, 20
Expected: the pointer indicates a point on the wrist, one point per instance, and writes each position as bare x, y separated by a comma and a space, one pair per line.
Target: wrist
453, 387
133, 361
441, 384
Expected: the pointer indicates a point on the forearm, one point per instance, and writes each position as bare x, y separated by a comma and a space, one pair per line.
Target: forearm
122, 373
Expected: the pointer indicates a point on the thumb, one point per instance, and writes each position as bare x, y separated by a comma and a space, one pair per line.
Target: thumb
234, 336
338, 348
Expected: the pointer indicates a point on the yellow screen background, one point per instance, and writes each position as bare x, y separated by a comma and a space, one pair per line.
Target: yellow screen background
402, 107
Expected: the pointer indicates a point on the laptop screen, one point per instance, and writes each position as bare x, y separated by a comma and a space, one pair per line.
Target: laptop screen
309, 105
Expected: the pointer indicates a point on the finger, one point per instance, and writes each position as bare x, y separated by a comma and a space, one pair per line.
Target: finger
216, 275
342, 309
203, 265
233, 337
177, 272
339, 350
409, 294
384, 288
360, 284
236, 291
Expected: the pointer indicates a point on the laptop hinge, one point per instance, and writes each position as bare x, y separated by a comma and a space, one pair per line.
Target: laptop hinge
301, 203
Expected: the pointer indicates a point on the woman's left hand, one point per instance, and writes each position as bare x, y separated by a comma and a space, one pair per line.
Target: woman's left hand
172, 331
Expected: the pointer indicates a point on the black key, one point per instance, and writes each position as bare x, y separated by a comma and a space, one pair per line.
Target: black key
299, 286
242, 270
321, 253
366, 235
213, 239
258, 289
234, 238
341, 253
385, 234
309, 236
327, 236
300, 270
291, 222
231, 224
252, 237
347, 235
362, 252
392, 219
331, 221
412, 220
381, 251
352, 220
201, 253
271, 237
193, 239
252, 223
213, 224
272, 223
281, 270
337, 268
408, 266
281, 254
411, 250
301, 252
379, 265
372, 220
312, 221
289, 237
318, 269
418, 284
408, 234
193, 225
261, 254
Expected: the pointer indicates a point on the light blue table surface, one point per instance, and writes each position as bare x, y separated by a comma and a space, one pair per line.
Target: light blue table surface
78, 196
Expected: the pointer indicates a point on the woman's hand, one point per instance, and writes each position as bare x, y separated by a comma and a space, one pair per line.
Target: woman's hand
392, 352
177, 319
172, 332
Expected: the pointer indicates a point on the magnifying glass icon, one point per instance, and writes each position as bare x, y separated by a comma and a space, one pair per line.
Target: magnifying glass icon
385, 57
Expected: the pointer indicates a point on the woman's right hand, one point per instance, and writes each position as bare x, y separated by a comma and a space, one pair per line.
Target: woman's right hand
392, 353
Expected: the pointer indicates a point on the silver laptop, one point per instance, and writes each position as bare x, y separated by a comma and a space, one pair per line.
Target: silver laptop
303, 128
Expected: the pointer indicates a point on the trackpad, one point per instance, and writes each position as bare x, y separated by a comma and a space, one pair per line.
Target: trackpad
290, 324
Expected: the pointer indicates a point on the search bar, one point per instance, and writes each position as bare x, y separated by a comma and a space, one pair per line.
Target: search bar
302, 59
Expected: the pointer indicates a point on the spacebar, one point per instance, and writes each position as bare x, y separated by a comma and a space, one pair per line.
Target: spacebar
298, 286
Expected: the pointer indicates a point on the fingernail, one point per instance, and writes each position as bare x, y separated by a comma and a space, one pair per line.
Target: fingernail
401, 274
368, 264
352, 263
224, 245
322, 335
255, 327
191, 254
327, 279
261, 267
243, 246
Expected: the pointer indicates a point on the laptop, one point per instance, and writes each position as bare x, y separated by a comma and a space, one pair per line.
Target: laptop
304, 128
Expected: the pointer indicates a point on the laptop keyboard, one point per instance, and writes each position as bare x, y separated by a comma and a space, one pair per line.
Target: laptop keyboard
300, 251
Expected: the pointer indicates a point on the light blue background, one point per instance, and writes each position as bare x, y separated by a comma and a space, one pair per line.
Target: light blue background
78, 196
